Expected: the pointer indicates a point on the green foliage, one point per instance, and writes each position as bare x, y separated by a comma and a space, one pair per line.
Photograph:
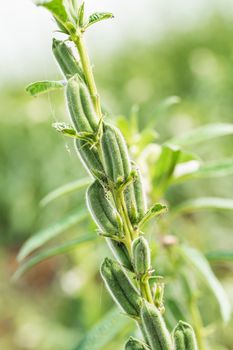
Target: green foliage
41, 237
203, 204
196, 170
57, 8
202, 268
97, 17
64, 190
203, 134
51, 252
41, 87
199, 108
103, 332
220, 256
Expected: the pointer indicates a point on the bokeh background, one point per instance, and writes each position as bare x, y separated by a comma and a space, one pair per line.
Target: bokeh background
151, 50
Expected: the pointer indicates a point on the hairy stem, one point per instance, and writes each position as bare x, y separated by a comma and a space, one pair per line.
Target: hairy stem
87, 69
130, 232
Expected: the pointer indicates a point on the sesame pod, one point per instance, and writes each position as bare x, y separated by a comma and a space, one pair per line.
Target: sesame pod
135, 199
184, 337
130, 202
157, 333
80, 106
115, 154
90, 158
120, 287
140, 197
66, 60
88, 106
121, 253
141, 256
101, 209
134, 344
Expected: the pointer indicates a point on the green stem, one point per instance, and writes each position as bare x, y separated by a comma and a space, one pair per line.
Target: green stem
86, 65
197, 324
146, 291
125, 213
130, 232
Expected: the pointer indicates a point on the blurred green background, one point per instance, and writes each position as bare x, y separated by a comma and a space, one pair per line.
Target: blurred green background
54, 305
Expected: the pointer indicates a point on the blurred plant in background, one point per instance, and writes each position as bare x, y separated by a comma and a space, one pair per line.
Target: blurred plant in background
195, 66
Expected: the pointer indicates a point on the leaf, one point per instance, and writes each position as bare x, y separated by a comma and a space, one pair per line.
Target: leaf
81, 14
203, 134
203, 203
64, 190
97, 17
155, 211
43, 236
57, 8
194, 170
203, 269
164, 167
104, 331
41, 87
162, 108
50, 252
220, 256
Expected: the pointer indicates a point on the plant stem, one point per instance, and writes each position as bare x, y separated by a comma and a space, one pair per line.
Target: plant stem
146, 291
197, 324
129, 231
86, 65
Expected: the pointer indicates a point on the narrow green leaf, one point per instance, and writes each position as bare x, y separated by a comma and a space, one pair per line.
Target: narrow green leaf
203, 134
97, 17
104, 331
220, 256
162, 108
64, 190
56, 7
203, 204
164, 167
65, 129
203, 269
194, 170
50, 252
81, 14
43, 236
41, 87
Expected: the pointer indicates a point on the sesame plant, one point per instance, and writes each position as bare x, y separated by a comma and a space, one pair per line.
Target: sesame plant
128, 178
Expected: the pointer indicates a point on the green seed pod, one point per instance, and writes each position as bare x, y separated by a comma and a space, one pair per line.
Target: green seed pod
90, 159
120, 287
184, 337
141, 256
121, 253
157, 333
135, 199
115, 154
143, 331
80, 106
66, 60
134, 344
140, 197
101, 209
130, 202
